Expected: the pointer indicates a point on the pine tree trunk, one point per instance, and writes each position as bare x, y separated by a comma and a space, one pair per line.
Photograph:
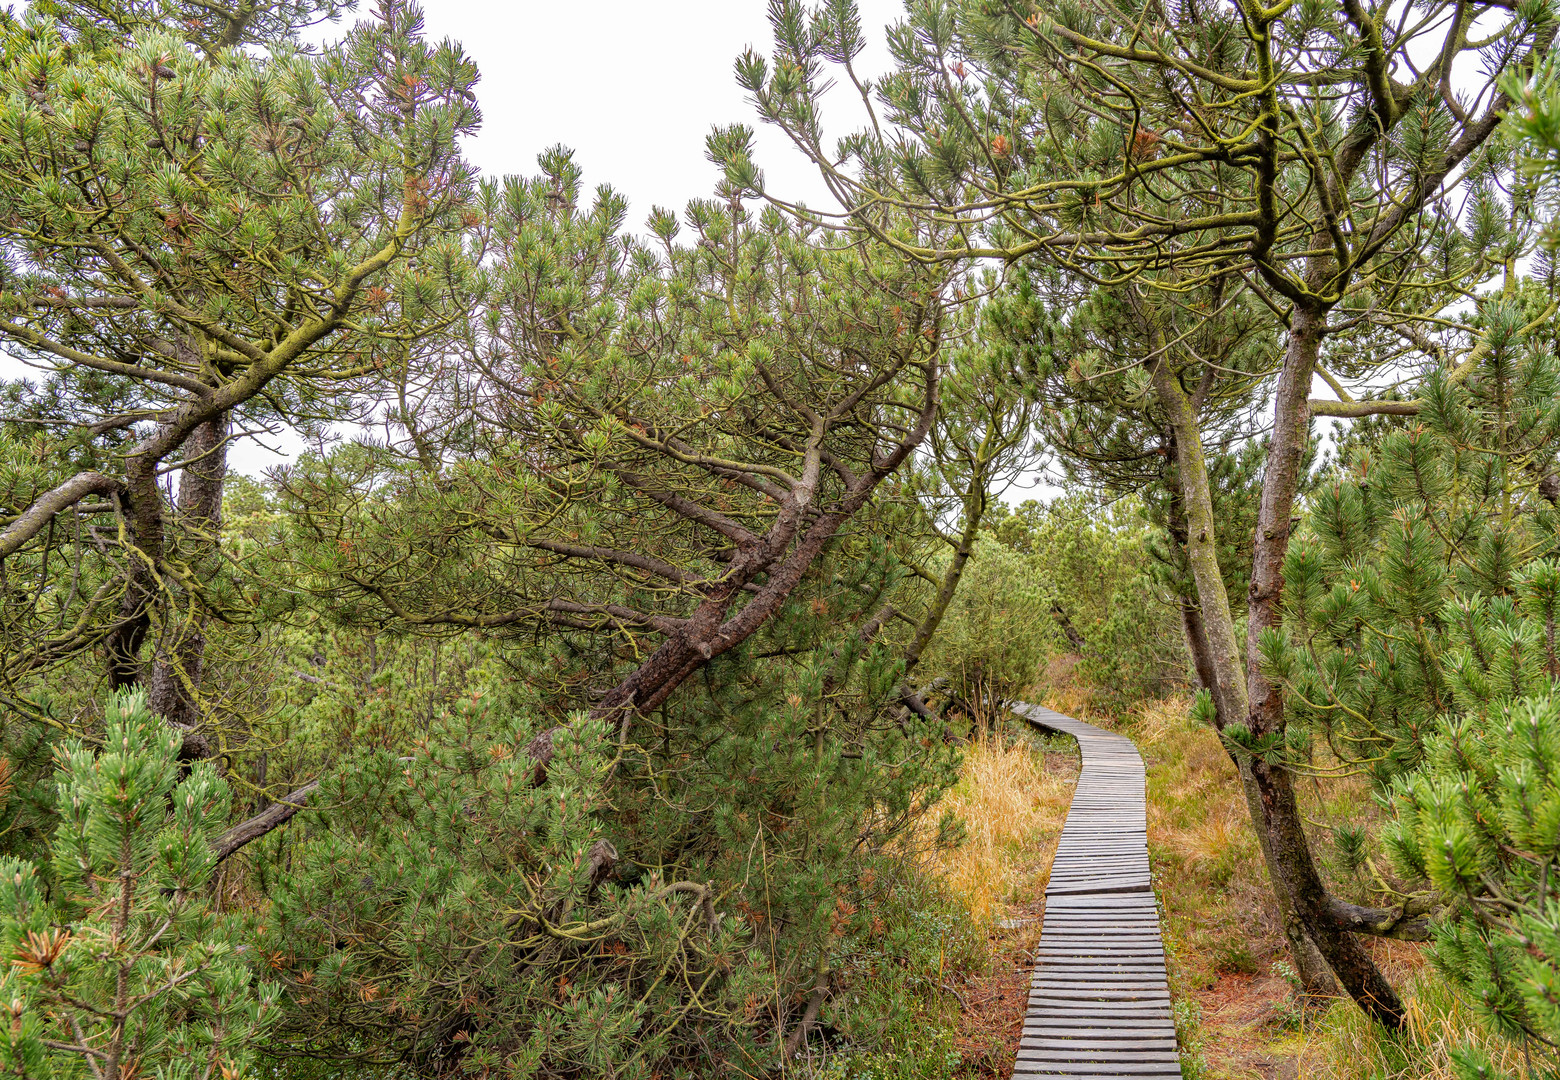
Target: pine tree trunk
1285, 845
1211, 633
974, 511
1317, 982
1196, 498
1192, 626
145, 533
1196, 637
175, 683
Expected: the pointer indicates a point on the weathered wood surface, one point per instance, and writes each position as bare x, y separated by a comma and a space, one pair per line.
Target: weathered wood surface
1098, 1004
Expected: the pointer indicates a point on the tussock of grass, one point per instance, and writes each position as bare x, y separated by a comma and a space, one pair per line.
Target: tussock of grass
1070, 698
1012, 809
1197, 815
1345, 1045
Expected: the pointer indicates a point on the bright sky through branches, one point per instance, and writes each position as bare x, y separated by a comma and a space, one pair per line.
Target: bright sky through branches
632, 87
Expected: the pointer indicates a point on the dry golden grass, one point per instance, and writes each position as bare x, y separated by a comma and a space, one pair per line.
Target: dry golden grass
1012, 807
1072, 699
1196, 811
1345, 1046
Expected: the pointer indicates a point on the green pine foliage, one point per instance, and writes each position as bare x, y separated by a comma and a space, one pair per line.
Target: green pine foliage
119, 963
1413, 593
197, 232
633, 410
997, 632
670, 902
1536, 119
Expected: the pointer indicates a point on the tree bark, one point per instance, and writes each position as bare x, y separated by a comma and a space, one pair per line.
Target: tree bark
176, 680
1193, 628
144, 529
1218, 656
1278, 818
1196, 636
272, 817
1196, 498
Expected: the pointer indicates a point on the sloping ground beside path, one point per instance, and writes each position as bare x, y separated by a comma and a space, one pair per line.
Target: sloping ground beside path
1099, 1005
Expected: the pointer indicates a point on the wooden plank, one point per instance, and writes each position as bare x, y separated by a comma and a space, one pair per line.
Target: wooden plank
1123, 1029
1077, 1008
1090, 1071
1101, 973
1153, 1062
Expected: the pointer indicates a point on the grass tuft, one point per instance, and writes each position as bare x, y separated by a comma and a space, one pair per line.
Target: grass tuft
1345, 1045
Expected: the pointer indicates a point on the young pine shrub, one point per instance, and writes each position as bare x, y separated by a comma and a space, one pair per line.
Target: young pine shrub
1082, 568
996, 633
1481, 823
117, 964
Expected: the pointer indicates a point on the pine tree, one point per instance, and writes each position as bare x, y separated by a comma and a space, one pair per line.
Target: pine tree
117, 961
661, 437
205, 231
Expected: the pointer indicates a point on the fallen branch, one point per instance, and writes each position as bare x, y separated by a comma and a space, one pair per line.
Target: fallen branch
1406, 923
272, 817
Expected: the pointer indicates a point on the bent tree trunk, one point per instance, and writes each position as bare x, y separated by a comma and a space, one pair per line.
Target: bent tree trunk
1210, 631
781, 557
1289, 853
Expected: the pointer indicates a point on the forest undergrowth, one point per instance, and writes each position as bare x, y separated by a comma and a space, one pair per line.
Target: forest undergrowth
1013, 792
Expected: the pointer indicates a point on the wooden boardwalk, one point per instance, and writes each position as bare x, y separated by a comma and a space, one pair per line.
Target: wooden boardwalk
1099, 1005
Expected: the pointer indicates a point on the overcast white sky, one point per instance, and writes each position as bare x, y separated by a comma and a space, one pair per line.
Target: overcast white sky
632, 87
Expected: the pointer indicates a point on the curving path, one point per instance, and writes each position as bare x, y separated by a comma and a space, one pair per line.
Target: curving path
1099, 1005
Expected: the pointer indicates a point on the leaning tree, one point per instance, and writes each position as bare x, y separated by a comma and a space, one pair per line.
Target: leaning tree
660, 440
